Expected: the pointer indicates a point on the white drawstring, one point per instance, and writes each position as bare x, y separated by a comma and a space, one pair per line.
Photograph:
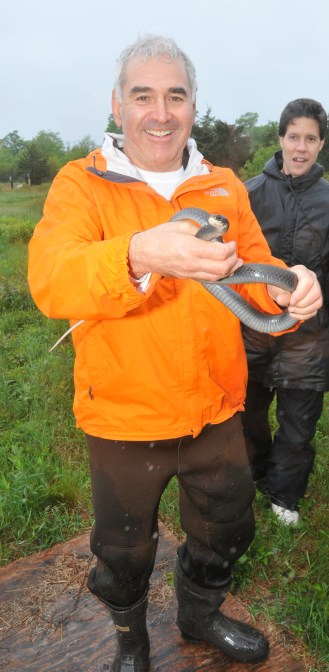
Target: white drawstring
77, 324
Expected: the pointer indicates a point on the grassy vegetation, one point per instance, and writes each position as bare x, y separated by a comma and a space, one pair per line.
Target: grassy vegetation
44, 478
44, 483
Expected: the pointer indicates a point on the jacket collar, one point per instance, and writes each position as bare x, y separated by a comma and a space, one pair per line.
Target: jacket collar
273, 168
118, 162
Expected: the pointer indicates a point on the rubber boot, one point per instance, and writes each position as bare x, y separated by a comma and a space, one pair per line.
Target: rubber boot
133, 648
198, 618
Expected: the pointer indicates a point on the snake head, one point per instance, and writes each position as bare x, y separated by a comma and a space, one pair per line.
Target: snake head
220, 223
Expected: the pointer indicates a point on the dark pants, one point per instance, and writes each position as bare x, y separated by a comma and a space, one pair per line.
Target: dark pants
285, 462
215, 494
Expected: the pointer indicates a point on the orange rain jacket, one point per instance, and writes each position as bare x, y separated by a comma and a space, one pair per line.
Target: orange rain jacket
153, 365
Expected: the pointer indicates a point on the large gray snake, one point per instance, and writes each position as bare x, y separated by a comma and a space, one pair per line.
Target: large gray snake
212, 228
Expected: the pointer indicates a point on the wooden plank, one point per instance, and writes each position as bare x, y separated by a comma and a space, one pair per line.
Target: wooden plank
49, 622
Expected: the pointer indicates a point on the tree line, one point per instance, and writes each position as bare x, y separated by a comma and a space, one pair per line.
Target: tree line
243, 146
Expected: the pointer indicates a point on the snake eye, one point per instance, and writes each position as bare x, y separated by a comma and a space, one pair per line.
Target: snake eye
220, 222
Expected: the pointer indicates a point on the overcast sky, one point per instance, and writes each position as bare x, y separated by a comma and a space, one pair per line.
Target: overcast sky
57, 58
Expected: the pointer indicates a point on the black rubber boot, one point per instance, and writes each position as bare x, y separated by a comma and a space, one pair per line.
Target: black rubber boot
198, 618
133, 648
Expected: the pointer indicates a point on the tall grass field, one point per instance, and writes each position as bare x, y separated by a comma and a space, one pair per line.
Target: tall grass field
44, 477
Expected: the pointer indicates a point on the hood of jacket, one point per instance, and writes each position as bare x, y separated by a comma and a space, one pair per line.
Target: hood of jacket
118, 162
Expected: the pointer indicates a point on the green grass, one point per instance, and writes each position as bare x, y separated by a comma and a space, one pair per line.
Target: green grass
44, 475
291, 564
24, 203
44, 478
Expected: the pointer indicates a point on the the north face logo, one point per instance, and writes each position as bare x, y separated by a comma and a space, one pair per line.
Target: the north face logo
217, 191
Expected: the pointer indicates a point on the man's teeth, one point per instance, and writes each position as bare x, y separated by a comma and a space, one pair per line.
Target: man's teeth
159, 133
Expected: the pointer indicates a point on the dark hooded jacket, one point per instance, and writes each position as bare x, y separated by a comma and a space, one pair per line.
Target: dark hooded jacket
294, 217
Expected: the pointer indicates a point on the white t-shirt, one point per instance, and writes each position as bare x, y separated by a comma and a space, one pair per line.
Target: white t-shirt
164, 183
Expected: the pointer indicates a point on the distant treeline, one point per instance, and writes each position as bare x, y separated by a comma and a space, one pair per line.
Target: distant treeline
243, 146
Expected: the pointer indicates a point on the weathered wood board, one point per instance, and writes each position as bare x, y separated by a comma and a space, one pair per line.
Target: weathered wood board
49, 622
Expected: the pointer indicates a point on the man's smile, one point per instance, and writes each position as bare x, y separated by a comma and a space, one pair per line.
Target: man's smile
159, 134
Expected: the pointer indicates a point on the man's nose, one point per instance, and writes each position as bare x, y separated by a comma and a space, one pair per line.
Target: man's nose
301, 144
162, 111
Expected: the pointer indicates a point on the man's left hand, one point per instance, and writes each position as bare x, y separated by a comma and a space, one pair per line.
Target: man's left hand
305, 301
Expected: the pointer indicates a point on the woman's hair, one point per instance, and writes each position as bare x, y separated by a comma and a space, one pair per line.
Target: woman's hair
152, 46
303, 107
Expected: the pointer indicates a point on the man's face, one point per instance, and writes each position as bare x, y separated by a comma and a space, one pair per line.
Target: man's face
156, 113
300, 146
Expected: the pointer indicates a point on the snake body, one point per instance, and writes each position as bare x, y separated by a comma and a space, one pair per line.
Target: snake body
212, 228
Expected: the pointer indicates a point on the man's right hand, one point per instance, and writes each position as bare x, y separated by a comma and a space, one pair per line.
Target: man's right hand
172, 250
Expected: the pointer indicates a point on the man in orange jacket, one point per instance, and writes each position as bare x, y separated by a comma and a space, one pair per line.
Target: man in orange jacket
160, 370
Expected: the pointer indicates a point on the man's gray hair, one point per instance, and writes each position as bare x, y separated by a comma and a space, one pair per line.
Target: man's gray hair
152, 46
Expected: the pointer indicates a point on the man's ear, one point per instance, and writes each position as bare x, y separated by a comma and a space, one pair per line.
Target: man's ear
116, 109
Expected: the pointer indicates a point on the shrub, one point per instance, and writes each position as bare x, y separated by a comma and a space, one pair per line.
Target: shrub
13, 230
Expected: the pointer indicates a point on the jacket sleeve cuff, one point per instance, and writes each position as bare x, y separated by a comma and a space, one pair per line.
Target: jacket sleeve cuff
115, 272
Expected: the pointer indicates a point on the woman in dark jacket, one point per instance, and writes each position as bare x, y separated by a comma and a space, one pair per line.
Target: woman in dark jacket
291, 202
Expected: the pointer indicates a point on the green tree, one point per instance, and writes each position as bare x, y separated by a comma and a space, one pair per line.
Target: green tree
10, 147
246, 127
247, 121
270, 134
111, 126
258, 135
221, 152
81, 149
222, 144
50, 143
8, 163
238, 148
33, 163
204, 134
13, 143
51, 146
257, 163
